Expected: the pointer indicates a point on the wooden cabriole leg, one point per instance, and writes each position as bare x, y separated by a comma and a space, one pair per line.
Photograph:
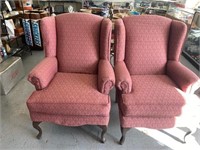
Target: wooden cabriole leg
117, 95
191, 130
37, 127
187, 133
104, 130
123, 131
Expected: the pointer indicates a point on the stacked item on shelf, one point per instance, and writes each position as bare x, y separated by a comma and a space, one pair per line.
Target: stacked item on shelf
27, 29
31, 24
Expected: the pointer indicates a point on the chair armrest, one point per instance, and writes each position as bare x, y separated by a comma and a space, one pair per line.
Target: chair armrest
182, 76
42, 74
106, 76
123, 78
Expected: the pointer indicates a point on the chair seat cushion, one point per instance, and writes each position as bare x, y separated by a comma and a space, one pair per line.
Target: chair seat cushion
70, 94
153, 96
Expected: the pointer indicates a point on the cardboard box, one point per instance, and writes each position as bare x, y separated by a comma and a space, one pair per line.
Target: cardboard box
19, 31
11, 71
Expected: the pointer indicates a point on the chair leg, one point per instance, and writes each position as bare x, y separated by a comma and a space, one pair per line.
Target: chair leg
37, 127
123, 131
104, 130
186, 134
117, 95
191, 130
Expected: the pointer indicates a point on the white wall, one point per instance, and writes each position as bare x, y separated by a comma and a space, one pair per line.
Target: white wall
192, 3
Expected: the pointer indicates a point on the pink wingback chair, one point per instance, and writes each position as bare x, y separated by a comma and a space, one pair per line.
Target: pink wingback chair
150, 80
74, 79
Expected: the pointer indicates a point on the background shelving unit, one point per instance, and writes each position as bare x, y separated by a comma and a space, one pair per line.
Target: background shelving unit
16, 43
60, 6
191, 49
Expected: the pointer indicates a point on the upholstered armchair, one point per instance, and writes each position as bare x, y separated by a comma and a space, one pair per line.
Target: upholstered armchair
151, 82
74, 79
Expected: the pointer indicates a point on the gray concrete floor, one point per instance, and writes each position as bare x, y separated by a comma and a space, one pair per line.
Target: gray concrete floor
16, 131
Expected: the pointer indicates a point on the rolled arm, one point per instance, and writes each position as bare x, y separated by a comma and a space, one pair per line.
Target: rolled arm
106, 76
182, 76
42, 74
123, 78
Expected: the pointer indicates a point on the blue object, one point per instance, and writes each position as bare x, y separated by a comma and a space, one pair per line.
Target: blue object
134, 13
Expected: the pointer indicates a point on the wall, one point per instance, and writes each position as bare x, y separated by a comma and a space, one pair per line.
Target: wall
192, 3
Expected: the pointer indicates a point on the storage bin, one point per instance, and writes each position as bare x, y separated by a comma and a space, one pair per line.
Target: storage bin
11, 71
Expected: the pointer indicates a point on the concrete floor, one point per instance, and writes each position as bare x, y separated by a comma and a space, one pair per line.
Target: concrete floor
16, 131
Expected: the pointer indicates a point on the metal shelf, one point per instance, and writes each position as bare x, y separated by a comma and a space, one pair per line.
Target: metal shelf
10, 40
191, 60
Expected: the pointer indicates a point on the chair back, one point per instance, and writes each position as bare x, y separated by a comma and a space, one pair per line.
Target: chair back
78, 42
146, 44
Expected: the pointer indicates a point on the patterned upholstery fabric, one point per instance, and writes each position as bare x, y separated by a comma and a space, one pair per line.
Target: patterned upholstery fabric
75, 77
181, 75
106, 30
148, 45
147, 122
70, 94
105, 76
152, 96
70, 120
48, 28
150, 80
176, 39
43, 73
120, 37
80, 52
124, 82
